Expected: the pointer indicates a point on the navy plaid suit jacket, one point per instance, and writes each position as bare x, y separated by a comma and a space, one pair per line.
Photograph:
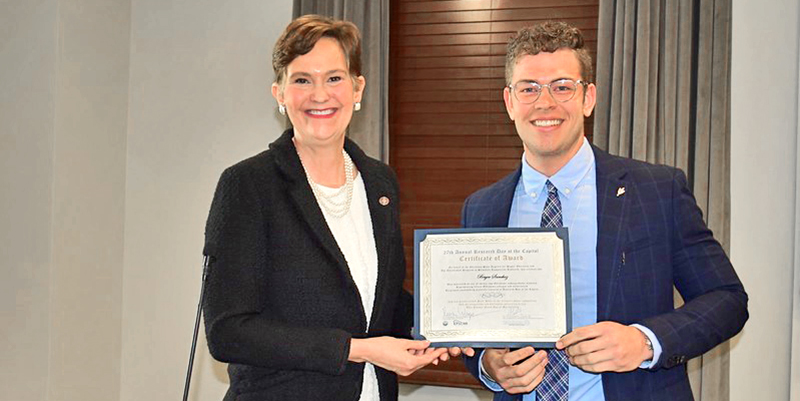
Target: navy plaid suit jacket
650, 238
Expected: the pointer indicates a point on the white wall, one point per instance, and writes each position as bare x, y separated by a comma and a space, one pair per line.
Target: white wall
91, 109
27, 95
763, 187
63, 97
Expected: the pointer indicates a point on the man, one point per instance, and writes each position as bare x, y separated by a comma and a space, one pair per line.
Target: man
635, 231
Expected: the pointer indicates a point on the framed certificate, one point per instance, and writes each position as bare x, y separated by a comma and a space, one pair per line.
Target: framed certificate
492, 287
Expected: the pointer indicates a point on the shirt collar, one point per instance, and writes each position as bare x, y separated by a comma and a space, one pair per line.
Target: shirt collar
566, 179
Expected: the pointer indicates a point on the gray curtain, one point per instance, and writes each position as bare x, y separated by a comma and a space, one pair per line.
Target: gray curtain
370, 126
794, 374
663, 78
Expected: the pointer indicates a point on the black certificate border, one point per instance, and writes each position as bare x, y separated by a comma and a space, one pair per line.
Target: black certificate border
421, 234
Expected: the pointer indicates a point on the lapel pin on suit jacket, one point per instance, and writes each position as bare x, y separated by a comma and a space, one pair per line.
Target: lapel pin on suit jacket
384, 201
620, 191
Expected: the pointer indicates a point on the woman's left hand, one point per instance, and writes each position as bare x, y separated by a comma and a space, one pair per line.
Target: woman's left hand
444, 356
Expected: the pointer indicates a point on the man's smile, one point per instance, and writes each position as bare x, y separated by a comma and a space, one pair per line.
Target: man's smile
547, 123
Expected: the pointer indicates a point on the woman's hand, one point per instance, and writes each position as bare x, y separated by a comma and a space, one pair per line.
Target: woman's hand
456, 351
451, 352
398, 355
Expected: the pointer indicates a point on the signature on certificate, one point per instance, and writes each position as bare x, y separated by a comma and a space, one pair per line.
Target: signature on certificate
517, 313
459, 313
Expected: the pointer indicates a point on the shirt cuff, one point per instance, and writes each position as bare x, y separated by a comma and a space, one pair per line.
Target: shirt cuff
656, 346
485, 378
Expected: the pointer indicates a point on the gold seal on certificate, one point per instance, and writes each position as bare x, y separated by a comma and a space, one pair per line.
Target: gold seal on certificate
492, 287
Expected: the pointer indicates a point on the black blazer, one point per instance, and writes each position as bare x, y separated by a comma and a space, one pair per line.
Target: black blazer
651, 236
281, 306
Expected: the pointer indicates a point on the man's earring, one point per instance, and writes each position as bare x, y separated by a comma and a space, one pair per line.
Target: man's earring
282, 109
357, 106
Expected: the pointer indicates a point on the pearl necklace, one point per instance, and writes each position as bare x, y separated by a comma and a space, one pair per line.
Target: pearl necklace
332, 203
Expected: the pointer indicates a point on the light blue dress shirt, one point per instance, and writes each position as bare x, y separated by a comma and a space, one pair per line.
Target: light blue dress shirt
577, 190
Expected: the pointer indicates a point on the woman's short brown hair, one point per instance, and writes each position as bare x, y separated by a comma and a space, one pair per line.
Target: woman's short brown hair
548, 37
302, 34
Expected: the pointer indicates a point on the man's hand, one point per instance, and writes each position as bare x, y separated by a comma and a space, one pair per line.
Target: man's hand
499, 364
606, 347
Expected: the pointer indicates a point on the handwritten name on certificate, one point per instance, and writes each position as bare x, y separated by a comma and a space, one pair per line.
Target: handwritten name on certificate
492, 287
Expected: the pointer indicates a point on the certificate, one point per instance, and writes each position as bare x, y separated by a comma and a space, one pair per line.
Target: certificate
492, 287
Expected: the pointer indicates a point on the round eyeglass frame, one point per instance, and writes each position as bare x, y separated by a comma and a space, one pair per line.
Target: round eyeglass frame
549, 89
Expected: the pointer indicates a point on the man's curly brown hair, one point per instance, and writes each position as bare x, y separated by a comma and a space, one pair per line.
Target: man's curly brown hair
548, 37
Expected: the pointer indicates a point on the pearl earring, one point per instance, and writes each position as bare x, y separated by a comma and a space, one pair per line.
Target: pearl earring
357, 106
282, 109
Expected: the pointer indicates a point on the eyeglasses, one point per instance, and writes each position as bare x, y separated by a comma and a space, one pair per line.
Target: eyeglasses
562, 90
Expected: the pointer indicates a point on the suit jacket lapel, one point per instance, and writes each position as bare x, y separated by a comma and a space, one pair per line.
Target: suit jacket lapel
299, 190
611, 211
498, 209
378, 186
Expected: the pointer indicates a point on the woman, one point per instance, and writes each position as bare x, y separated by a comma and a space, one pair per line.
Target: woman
305, 300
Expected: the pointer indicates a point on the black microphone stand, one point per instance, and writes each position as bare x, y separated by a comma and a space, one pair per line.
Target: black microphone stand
207, 260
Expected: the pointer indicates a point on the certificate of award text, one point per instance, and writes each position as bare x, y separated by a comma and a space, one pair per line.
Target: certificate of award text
493, 287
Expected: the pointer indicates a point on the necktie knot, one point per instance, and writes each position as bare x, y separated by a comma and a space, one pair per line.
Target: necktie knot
551, 215
551, 189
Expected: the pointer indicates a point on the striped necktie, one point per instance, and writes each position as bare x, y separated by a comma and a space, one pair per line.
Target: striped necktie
555, 384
